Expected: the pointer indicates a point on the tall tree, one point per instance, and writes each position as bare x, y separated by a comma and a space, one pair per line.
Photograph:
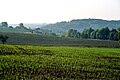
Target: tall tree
84, 34
3, 38
93, 34
113, 34
71, 33
78, 35
89, 31
103, 33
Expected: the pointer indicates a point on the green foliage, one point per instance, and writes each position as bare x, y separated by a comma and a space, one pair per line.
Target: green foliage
78, 35
103, 34
86, 34
56, 63
94, 34
80, 25
118, 29
114, 35
17, 50
119, 36
72, 33
89, 31
3, 38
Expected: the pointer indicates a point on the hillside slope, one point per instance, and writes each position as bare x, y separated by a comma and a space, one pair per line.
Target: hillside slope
13, 30
81, 24
34, 39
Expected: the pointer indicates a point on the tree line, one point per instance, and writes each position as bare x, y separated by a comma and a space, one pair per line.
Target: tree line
103, 34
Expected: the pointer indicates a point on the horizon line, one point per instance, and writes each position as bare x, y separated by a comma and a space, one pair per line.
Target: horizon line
62, 21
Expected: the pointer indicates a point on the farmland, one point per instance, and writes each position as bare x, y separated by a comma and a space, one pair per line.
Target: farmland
40, 62
45, 40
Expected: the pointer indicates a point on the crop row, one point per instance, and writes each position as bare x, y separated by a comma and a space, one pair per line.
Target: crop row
59, 63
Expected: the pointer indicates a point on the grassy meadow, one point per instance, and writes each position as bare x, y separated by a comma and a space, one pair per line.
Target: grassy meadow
58, 63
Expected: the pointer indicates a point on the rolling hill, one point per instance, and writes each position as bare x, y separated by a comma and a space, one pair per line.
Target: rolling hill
80, 24
13, 30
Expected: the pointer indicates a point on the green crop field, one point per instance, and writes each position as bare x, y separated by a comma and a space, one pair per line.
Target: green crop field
58, 63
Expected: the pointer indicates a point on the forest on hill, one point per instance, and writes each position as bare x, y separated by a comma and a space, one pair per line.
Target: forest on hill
80, 25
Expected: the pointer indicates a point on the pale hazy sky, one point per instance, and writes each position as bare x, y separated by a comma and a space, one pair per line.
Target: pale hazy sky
50, 11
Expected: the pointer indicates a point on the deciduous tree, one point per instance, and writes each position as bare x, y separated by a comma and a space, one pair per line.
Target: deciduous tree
3, 38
